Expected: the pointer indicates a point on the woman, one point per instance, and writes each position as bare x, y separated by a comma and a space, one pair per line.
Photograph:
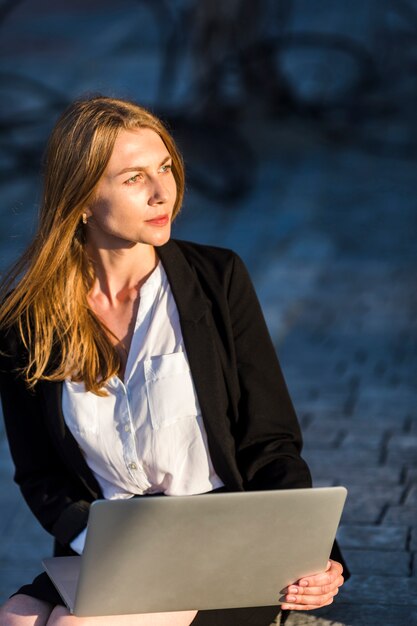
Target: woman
108, 319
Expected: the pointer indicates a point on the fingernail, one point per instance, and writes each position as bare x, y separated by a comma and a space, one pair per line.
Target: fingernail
291, 598
293, 589
303, 583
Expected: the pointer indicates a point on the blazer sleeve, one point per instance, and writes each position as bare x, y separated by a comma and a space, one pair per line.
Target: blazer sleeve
52, 492
268, 438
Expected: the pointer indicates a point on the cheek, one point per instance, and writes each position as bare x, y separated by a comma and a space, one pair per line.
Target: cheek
109, 213
101, 208
173, 189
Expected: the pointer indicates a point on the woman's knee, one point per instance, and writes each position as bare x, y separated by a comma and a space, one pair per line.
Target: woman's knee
22, 610
60, 616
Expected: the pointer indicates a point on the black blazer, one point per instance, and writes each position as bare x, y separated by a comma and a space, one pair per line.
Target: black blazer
253, 434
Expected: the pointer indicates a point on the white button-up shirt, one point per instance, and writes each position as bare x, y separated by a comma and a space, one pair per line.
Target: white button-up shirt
147, 435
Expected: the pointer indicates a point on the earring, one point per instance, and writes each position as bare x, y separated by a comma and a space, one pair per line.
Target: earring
85, 218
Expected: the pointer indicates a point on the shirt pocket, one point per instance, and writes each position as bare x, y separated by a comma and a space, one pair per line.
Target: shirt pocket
170, 389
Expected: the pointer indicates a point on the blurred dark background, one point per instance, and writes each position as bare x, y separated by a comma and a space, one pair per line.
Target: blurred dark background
220, 73
298, 123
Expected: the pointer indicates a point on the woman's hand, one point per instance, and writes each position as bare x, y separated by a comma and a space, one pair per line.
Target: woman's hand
313, 592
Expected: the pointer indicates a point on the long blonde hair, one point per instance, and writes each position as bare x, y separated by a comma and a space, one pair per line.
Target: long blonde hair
48, 304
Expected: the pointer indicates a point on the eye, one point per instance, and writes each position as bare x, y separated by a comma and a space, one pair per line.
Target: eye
134, 179
166, 168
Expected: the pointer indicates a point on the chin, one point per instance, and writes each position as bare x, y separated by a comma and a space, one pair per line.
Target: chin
159, 239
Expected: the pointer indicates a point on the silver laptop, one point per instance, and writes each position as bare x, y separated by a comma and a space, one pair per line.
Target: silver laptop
212, 551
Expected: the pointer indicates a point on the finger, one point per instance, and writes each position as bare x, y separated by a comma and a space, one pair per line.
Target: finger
319, 599
307, 604
304, 607
318, 590
315, 591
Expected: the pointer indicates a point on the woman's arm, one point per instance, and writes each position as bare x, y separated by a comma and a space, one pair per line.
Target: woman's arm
268, 436
54, 495
270, 444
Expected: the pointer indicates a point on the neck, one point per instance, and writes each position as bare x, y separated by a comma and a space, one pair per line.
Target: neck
121, 272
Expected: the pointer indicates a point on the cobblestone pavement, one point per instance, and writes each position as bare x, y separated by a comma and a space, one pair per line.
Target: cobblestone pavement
328, 233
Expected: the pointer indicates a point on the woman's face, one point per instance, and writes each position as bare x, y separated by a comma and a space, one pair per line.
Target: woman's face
135, 197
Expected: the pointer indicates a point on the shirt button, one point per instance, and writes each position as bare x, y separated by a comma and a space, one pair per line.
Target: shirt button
132, 466
127, 428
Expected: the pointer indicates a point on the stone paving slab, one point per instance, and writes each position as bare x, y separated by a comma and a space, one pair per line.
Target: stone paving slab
380, 562
354, 430
369, 505
412, 496
349, 458
390, 538
390, 590
406, 515
411, 476
357, 615
24, 543
372, 442
368, 480
406, 457
403, 443
378, 493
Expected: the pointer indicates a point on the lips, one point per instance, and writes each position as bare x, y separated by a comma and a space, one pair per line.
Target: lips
159, 220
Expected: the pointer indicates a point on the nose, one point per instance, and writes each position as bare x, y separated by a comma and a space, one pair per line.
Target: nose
159, 193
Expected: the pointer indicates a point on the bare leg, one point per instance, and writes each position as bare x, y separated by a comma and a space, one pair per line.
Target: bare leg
22, 610
61, 617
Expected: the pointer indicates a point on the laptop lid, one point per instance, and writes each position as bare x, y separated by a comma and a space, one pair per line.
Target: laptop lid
221, 550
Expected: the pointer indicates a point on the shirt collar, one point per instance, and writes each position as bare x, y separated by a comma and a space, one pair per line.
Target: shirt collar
153, 282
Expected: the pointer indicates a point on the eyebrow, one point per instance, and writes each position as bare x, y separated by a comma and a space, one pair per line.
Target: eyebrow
138, 168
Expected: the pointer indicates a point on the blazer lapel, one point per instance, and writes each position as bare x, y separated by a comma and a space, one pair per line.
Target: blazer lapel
197, 322
52, 397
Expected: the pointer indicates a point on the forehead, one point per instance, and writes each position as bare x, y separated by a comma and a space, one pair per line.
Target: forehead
141, 146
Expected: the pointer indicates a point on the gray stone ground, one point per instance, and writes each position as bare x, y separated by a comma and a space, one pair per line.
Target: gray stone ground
328, 232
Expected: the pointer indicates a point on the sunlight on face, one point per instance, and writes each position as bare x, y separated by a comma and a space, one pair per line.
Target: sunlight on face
136, 195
